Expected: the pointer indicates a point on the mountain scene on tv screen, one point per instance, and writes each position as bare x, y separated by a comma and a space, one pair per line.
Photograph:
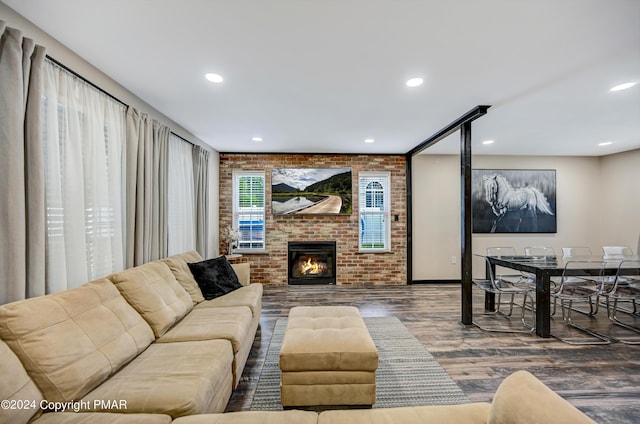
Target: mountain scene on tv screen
283, 188
340, 183
301, 191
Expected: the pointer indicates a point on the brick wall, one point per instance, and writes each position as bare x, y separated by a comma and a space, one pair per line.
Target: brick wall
352, 267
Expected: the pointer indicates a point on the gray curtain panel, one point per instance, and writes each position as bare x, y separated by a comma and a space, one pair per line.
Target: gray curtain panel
22, 209
146, 192
201, 176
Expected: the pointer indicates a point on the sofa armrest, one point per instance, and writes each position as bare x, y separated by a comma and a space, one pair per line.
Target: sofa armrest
243, 271
522, 398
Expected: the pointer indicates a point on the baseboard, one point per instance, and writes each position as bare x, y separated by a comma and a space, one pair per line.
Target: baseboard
435, 281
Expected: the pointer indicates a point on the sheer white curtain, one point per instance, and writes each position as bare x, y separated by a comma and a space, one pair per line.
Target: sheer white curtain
181, 216
84, 133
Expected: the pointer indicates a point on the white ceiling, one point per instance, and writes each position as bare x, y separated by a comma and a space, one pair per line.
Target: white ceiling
322, 75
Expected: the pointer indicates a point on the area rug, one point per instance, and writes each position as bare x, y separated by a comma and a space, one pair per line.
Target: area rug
407, 373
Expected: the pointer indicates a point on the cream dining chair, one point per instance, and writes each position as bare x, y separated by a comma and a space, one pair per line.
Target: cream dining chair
573, 252
522, 277
570, 292
626, 288
616, 252
501, 287
578, 253
539, 251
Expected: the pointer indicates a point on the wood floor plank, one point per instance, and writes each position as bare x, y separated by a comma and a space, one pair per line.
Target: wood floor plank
603, 381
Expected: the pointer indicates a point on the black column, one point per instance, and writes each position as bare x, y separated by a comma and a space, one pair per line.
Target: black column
409, 220
465, 222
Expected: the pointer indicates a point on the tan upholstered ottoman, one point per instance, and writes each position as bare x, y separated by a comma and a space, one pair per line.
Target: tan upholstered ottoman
327, 358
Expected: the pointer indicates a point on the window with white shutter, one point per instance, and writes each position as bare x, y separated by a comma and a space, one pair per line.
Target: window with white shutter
375, 211
249, 210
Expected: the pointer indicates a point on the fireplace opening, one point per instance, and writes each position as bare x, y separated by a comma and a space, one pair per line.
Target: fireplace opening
312, 262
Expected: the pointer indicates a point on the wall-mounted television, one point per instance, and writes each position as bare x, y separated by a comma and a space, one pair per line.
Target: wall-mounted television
311, 191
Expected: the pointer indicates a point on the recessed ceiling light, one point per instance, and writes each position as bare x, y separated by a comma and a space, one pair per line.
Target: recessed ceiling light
217, 78
369, 140
624, 86
605, 143
256, 139
488, 142
414, 82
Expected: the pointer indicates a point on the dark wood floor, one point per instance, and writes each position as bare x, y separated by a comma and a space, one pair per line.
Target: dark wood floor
602, 381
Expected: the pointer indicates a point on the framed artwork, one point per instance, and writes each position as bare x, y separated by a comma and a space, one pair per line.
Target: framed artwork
311, 191
513, 201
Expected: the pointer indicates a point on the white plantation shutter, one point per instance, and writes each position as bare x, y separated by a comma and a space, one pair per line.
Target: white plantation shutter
249, 209
374, 208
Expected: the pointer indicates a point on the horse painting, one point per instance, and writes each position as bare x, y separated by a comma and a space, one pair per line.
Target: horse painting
522, 204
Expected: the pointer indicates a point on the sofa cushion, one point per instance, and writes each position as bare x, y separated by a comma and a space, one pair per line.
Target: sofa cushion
232, 324
178, 266
470, 413
154, 292
70, 342
176, 379
101, 418
16, 386
522, 398
215, 277
250, 296
243, 271
253, 417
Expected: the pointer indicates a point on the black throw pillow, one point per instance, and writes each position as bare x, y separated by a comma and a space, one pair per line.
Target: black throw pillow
215, 277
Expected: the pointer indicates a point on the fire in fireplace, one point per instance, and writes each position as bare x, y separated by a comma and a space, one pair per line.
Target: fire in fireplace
312, 262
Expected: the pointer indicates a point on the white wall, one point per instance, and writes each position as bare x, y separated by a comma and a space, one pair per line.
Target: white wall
586, 187
435, 182
620, 200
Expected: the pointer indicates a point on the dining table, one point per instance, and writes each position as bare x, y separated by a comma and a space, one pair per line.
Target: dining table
545, 268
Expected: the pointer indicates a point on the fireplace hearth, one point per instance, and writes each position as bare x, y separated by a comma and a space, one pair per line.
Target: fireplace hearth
312, 262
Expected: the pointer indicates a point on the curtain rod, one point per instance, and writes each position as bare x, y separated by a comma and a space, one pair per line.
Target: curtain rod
77, 75
184, 139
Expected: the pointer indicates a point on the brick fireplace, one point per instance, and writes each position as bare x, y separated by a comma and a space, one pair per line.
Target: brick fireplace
352, 266
312, 262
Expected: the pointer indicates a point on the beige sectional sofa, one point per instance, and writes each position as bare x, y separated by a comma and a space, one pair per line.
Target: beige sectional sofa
520, 399
143, 340
143, 346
